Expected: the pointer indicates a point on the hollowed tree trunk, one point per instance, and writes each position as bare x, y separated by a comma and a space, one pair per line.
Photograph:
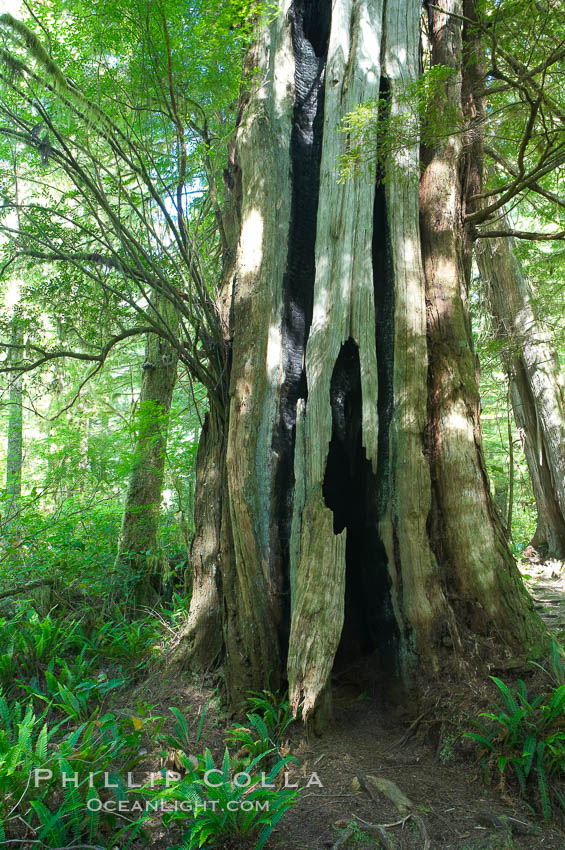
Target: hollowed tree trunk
537, 401
357, 528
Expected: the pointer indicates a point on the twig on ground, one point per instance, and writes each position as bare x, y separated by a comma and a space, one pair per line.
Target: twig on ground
384, 825
409, 732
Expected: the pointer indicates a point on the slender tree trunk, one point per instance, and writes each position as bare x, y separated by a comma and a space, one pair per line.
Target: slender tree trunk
356, 525
508, 523
139, 546
14, 451
202, 636
55, 390
537, 399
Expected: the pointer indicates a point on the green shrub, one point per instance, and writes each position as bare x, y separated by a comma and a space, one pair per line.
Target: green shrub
124, 640
23, 747
274, 709
526, 738
54, 805
221, 806
253, 739
183, 738
266, 725
29, 642
76, 546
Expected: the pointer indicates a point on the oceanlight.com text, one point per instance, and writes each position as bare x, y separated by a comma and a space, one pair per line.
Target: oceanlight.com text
138, 806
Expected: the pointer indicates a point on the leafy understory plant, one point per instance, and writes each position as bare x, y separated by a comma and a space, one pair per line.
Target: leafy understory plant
28, 642
125, 640
220, 804
183, 739
23, 747
274, 709
51, 782
267, 722
252, 740
526, 737
78, 699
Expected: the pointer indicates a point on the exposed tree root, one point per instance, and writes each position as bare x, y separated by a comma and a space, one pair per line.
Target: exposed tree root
379, 829
343, 839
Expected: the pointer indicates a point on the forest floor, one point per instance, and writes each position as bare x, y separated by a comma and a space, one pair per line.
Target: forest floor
409, 771
427, 758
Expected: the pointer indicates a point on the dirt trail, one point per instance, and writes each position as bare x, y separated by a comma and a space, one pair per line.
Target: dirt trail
428, 760
546, 581
453, 807
457, 810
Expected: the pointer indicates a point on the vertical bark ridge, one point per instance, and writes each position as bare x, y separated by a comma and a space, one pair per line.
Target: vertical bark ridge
384, 297
418, 597
252, 577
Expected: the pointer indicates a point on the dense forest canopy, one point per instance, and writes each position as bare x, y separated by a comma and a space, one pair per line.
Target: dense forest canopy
282, 356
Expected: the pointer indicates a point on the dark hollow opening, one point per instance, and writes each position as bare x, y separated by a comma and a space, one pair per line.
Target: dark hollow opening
369, 646
310, 27
368, 641
383, 288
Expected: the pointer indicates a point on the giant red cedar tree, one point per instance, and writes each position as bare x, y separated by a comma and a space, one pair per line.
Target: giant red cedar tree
345, 515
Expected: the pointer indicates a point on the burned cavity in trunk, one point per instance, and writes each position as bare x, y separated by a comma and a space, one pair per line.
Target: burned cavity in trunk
357, 496
310, 27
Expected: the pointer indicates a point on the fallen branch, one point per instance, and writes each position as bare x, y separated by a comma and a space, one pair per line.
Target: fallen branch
423, 831
380, 829
383, 837
30, 586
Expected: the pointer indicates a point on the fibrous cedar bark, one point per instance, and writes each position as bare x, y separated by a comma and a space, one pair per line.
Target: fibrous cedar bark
537, 400
139, 546
356, 523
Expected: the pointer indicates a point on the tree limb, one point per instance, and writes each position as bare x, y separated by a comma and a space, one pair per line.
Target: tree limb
47, 356
520, 234
44, 582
